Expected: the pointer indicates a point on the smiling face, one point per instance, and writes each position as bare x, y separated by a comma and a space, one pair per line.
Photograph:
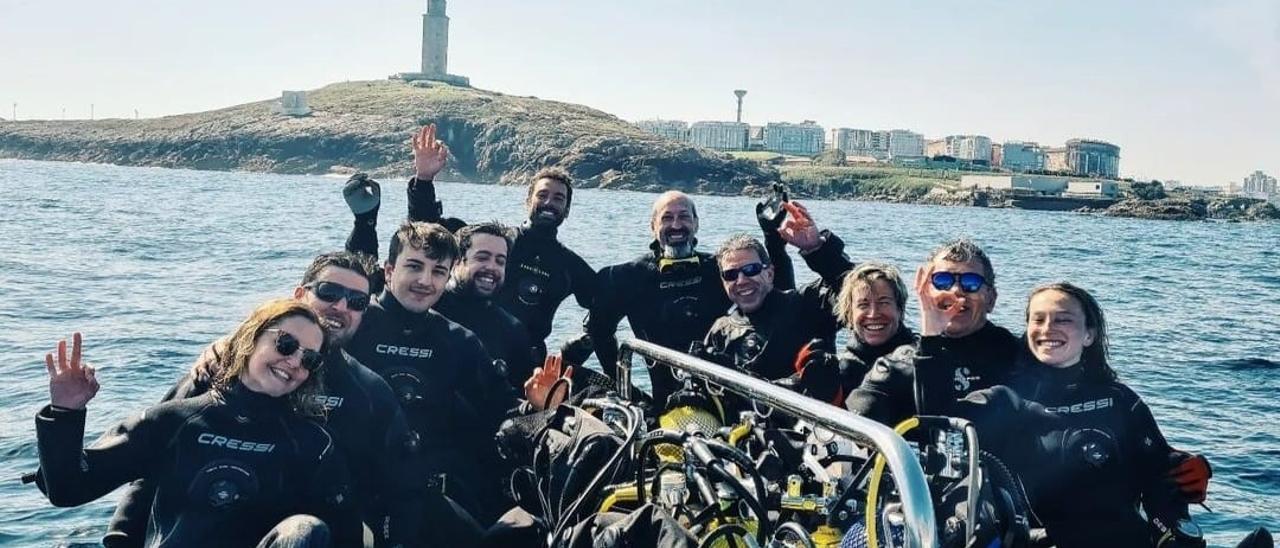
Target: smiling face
1057, 332
417, 281
340, 322
548, 202
876, 314
675, 222
275, 375
971, 314
483, 268
747, 292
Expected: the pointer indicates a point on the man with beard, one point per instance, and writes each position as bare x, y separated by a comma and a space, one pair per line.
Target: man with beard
768, 327
468, 300
363, 415
959, 351
670, 296
543, 272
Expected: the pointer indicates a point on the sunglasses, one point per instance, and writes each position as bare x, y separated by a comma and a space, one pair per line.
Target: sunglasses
970, 282
331, 292
750, 270
287, 345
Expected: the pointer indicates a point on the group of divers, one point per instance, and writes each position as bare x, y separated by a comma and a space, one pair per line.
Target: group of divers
375, 405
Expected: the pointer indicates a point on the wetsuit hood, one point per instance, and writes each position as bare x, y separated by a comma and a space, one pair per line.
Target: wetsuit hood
393, 306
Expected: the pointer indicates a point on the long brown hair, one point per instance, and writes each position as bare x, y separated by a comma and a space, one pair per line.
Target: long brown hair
235, 359
1095, 358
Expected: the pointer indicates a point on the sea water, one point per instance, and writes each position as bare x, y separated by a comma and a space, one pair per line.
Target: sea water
152, 264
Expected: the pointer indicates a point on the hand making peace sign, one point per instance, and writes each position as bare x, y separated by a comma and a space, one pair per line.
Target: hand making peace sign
71, 383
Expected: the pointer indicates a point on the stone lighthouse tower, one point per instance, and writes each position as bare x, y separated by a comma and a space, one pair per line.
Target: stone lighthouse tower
435, 40
435, 48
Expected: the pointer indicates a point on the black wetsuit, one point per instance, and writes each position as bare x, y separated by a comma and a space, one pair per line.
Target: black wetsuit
766, 342
858, 357
367, 425
453, 397
541, 271
504, 337
927, 379
227, 467
1087, 473
673, 307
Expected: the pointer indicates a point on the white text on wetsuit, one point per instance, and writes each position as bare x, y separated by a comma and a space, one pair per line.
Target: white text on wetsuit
1082, 407
232, 443
408, 351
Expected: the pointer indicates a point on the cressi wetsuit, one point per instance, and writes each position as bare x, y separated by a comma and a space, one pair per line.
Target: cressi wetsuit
369, 428
1087, 473
453, 397
227, 467
504, 337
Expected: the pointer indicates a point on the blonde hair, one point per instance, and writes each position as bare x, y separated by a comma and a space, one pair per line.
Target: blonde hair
240, 345
863, 276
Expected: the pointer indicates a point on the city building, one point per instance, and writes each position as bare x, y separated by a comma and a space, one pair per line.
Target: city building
1021, 156
1034, 184
969, 147
935, 147
1093, 189
1259, 183
676, 130
803, 139
860, 142
1091, 158
719, 135
435, 49
1055, 160
905, 144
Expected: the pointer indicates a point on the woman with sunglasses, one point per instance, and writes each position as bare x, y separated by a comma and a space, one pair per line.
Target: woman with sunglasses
242, 465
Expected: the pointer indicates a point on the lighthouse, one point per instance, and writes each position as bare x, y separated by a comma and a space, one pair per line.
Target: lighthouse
435, 48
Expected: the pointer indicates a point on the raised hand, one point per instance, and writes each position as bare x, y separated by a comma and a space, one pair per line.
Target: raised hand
799, 229
71, 383
429, 154
541, 390
936, 310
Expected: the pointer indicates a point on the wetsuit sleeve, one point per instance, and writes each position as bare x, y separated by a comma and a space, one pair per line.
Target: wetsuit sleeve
70, 476
423, 205
829, 260
784, 271
603, 318
1152, 450
885, 394
582, 279
486, 388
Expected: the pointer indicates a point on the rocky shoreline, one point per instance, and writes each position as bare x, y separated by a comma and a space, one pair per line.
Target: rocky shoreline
365, 126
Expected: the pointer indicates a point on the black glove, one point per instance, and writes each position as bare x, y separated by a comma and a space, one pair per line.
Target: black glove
576, 351
769, 210
998, 410
363, 196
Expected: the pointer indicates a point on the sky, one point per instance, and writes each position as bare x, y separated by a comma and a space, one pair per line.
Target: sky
1190, 91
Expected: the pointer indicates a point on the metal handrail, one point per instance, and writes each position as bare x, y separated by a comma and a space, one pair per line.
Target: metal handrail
921, 529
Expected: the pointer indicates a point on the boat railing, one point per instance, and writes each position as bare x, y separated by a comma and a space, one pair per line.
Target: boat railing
920, 523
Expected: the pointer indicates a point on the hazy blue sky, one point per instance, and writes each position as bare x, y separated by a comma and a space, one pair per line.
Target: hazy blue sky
1189, 90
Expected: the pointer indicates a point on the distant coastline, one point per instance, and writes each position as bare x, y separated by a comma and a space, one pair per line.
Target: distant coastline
365, 126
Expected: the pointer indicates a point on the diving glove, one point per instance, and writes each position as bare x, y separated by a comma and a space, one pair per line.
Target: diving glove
1189, 475
363, 196
769, 210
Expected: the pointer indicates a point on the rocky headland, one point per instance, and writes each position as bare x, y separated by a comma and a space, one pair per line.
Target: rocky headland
365, 126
